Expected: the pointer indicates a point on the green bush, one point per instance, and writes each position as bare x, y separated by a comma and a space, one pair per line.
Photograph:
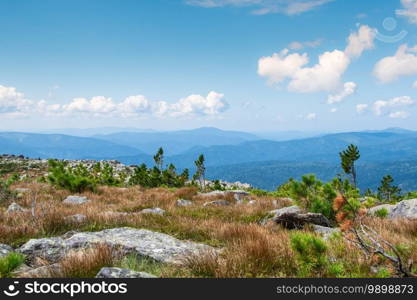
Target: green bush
9, 263
5, 192
381, 213
76, 180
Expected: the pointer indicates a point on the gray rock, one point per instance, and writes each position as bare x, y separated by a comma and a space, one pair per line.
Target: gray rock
252, 202
284, 210
213, 194
158, 246
76, 200
297, 220
122, 273
239, 195
77, 218
156, 211
405, 209
5, 250
217, 203
54, 270
325, 231
182, 202
22, 190
14, 208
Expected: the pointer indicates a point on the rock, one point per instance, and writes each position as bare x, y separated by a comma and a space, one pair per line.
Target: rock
76, 200
213, 194
237, 194
405, 209
14, 208
252, 202
297, 220
122, 273
48, 271
284, 210
156, 211
388, 207
182, 202
77, 218
327, 232
217, 203
141, 242
5, 250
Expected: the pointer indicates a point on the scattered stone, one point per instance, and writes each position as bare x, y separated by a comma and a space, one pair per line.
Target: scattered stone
77, 218
217, 203
122, 273
183, 202
252, 202
239, 195
297, 220
76, 200
5, 250
388, 207
404, 209
327, 232
22, 190
156, 211
141, 242
14, 208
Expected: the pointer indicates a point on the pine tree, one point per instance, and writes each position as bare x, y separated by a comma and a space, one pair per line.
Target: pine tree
159, 159
387, 191
348, 158
201, 170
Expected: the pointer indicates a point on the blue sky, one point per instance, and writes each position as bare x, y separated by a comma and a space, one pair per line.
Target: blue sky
234, 64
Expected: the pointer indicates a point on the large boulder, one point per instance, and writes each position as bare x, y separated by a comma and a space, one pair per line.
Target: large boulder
326, 232
183, 202
284, 210
404, 209
76, 200
5, 250
122, 273
297, 220
141, 242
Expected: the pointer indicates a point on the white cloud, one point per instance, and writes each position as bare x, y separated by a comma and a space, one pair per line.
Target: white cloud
296, 45
380, 107
415, 84
13, 103
323, 76
399, 115
361, 108
261, 7
409, 10
349, 88
311, 116
403, 63
360, 41
333, 110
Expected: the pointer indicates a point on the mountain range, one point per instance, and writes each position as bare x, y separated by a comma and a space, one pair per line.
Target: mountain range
234, 155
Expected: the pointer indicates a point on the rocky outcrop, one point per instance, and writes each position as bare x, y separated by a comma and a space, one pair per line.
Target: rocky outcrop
404, 209
238, 195
297, 220
5, 250
76, 200
158, 246
122, 273
326, 232
217, 203
284, 210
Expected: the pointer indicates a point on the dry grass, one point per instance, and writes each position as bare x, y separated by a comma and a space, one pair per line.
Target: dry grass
249, 250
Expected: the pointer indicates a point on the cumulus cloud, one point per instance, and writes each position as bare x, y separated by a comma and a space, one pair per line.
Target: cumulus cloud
323, 76
403, 63
388, 107
349, 88
261, 7
13, 103
409, 10
311, 116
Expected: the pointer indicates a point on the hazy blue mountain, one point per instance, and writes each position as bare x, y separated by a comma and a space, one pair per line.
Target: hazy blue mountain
288, 135
270, 174
89, 132
175, 142
61, 146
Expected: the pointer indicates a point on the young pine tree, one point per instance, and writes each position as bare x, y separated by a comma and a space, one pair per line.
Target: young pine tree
348, 158
159, 159
387, 191
201, 171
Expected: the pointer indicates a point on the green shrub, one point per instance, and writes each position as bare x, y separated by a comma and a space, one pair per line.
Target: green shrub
311, 253
381, 213
9, 263
5, 192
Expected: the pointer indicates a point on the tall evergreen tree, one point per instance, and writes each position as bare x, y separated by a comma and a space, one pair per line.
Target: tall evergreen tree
348, 158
